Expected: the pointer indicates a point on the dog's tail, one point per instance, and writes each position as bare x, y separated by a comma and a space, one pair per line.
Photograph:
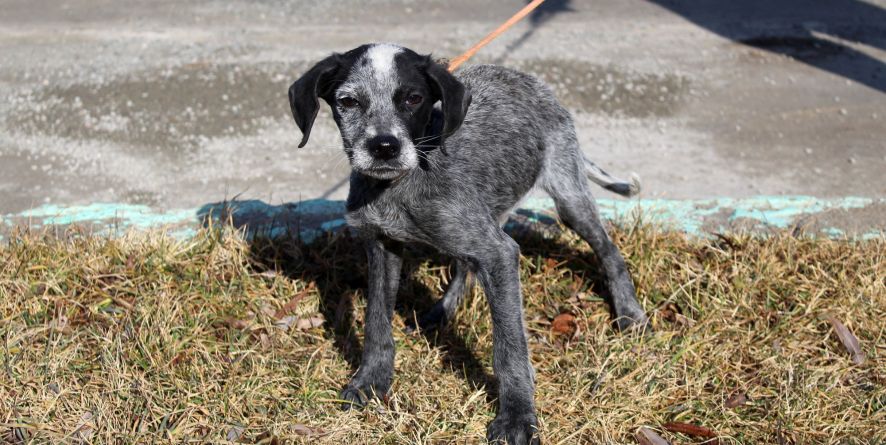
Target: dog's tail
615, 185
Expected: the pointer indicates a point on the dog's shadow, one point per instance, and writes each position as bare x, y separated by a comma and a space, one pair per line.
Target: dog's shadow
335, 263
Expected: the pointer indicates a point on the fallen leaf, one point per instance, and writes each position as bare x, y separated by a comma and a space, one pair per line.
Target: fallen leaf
304, 430
85, 428
736, 400
669, 312
303, 324
286, 322
267, 310
541, 320
689, 429
576, 284
235, 323
550, 263
564, 324
234, 433
646, 436
181, 357
292, 303
684, 320
850, 342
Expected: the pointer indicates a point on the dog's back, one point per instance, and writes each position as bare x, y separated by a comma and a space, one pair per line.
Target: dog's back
513, 124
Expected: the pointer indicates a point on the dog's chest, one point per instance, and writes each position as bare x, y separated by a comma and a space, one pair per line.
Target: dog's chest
384, 219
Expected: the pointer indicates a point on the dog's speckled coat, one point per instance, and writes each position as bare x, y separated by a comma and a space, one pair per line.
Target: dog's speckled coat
448, 177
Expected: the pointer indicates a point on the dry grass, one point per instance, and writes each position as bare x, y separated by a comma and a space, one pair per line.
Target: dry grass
143, 339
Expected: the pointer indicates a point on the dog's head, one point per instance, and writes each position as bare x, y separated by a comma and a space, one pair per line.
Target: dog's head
382, 97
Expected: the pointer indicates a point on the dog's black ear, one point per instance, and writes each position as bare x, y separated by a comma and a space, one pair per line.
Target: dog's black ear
304, 94
455, 97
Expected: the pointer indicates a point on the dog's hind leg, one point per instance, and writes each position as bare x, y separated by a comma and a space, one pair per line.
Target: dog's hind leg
444, 310
494, 258
565, 179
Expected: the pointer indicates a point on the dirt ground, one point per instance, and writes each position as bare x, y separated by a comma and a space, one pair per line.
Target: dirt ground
177, 104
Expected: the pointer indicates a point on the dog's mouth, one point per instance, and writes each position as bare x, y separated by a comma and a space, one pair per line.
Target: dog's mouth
385, 172
396, 167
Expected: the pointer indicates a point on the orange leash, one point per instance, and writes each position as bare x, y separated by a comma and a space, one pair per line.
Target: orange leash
456, 62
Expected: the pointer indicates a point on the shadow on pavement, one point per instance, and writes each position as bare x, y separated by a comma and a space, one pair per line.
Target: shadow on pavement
809, 31
537, 18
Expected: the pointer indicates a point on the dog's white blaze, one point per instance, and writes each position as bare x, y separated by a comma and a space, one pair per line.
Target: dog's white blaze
381, 57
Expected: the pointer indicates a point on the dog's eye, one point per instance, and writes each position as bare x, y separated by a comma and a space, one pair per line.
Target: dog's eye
413, 99
348, 102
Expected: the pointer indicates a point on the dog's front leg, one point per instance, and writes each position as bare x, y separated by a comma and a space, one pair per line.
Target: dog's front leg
373, 379
498, 272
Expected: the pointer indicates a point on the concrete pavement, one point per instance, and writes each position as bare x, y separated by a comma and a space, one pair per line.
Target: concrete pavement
176, 105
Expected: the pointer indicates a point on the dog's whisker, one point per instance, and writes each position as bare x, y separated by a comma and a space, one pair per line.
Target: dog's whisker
428, 158
428, 138
425, 158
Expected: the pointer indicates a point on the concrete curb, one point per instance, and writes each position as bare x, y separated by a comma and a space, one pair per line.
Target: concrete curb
849, 217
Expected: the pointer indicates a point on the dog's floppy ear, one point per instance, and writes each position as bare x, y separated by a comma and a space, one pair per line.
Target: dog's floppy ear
455, 97
303, 94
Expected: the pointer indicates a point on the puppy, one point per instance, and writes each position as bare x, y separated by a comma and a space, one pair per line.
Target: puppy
442, 159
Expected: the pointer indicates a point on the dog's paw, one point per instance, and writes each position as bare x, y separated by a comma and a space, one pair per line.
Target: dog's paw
637, 322
353, 397
357, 396
513, 430
434, 319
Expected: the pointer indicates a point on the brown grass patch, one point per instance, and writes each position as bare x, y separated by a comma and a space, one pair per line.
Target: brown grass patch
144, 339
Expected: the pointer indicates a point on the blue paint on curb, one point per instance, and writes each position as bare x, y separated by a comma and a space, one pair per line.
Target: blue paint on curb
690, 216
313, 218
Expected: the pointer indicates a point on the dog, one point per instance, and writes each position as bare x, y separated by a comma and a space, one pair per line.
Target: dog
442, 159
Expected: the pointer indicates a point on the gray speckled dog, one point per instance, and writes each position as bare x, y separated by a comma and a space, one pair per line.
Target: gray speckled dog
441, 160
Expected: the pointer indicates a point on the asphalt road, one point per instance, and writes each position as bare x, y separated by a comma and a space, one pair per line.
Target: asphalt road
178, 104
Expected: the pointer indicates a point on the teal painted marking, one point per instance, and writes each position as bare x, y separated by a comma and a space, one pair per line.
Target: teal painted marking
138, 216
690, 215
109, 216
313, 218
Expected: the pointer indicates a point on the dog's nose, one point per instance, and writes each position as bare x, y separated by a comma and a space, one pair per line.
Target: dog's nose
383, 147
